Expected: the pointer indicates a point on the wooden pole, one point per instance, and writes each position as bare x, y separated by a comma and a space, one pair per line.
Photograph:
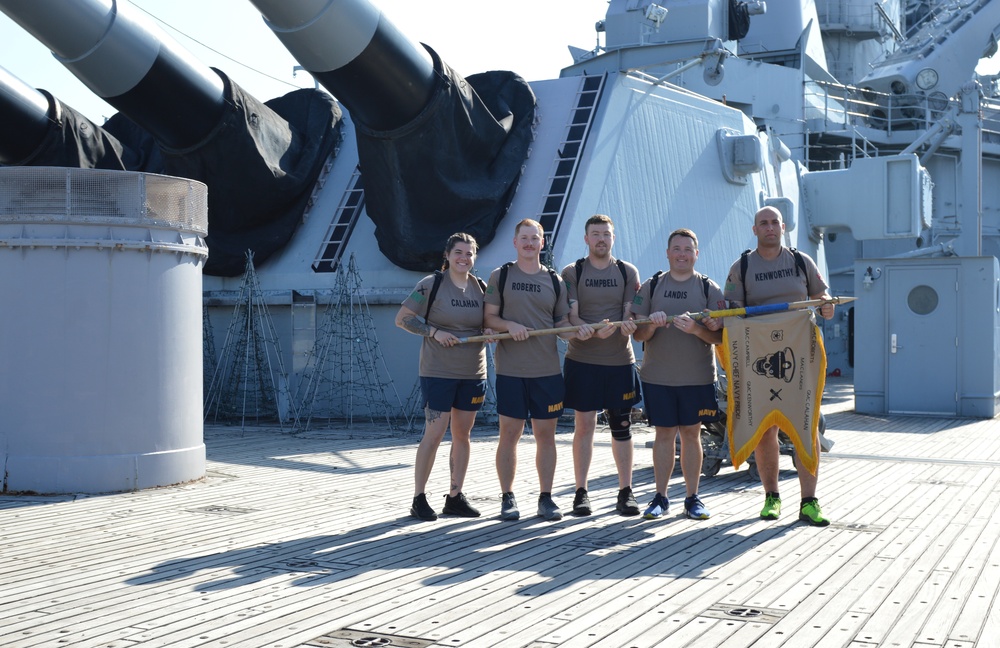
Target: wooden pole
716, 314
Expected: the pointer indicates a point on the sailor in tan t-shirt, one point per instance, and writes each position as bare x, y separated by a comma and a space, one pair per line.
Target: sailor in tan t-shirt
442, 308
520, 297
599, 373
678, 367
775, 274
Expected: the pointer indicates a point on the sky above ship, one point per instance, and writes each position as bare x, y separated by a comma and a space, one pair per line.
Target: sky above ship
529, 37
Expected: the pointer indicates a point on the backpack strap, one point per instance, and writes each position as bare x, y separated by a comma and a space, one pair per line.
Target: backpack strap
501, 283
655, 279
704, 287
438, 276
652, 284
556, 286
743, 269
800, 263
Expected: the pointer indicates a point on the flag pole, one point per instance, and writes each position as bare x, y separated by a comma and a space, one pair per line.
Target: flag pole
773, 308
715, 314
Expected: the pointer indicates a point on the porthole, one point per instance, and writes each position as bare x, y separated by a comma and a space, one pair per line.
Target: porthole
922, 300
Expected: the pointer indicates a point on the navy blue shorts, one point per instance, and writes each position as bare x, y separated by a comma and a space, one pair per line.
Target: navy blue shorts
590, 387
443, 394
524, 398
675, 406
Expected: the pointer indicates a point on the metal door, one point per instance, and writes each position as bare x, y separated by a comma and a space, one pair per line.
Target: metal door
923, 334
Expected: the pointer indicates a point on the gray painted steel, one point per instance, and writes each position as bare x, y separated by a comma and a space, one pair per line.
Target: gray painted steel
101, 330
924, 352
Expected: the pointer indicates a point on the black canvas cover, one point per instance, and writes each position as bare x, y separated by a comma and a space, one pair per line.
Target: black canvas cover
739, 19
260, 164
454, 168
74, 141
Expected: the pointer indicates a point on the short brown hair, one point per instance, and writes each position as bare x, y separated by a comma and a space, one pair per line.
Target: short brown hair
683, 232
598, 219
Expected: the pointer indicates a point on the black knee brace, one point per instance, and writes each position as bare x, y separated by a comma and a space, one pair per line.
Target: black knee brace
620, 421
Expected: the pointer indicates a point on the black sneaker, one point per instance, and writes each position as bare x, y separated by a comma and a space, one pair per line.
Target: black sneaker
508, 508
626, 502
421, 509
581, 503
459, 506
547, 508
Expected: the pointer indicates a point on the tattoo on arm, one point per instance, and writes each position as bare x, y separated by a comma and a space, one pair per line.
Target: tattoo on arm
415, 325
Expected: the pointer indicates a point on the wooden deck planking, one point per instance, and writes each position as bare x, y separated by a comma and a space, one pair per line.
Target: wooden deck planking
695, 608
980, 615
278, 547
825, 611
632, 605
912, 564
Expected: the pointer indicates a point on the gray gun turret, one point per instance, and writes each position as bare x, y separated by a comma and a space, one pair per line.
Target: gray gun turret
439, 153
179, 117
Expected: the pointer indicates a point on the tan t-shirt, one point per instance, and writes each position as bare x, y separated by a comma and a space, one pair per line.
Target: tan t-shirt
529, 300
460, 312
602, 295
672, 357
774, 282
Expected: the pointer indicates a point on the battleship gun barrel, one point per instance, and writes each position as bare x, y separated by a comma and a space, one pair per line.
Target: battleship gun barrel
439, 153
381, 77
39, 130
25, 112
130, 63
179, 117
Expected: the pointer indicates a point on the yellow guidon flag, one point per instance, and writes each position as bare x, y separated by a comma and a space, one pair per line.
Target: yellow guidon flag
776, 370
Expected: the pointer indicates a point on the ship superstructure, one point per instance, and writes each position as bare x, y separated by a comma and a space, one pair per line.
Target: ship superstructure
864, 123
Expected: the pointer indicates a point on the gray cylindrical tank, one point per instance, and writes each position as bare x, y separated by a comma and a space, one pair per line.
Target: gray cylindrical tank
100, 330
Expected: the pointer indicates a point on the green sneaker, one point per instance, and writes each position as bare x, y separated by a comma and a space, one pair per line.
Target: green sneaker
811, 512
772, 507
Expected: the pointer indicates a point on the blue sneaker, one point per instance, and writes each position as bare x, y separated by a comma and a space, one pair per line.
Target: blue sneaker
694, 509
658, 507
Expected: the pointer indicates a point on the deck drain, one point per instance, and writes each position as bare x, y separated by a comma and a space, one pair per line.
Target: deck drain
357, 638
221, 510
869, 528
744, 613
938, 482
